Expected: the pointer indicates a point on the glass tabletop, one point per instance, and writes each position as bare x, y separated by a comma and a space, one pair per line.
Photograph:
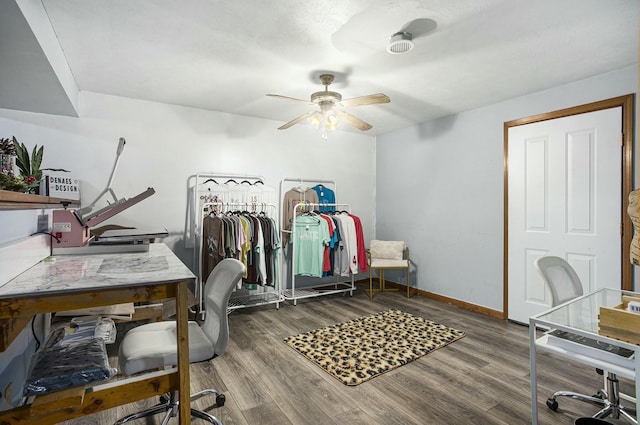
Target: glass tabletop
582, 312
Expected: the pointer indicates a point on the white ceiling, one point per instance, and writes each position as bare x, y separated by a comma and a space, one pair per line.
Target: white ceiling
225, 55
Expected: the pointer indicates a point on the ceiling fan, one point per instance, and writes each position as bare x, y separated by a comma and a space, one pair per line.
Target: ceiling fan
330, 104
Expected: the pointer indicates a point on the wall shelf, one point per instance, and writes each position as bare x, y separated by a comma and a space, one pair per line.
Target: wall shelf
20, 201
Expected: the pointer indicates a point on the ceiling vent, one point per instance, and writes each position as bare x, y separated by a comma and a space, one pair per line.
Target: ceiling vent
400, 43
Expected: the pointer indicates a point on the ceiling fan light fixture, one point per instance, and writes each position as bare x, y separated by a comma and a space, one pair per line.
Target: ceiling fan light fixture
328, 121
315, 119
330, 111
400, 43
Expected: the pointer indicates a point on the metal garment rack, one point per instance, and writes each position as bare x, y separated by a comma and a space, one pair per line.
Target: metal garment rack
321, 289
263, 295
260, 296
194, 215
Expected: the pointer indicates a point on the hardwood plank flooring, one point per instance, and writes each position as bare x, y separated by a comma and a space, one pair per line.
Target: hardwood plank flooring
482, 378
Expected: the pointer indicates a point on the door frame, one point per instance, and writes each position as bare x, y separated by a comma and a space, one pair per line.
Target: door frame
626, 102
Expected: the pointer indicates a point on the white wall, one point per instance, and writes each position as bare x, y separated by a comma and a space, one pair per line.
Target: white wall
439, 187
166, 144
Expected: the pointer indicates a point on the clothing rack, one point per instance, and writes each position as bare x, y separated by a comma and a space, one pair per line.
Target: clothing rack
193, 236
192, 216
302, 180
316, 290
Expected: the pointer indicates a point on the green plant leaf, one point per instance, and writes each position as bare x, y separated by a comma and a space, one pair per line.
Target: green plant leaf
22, 157
36, 160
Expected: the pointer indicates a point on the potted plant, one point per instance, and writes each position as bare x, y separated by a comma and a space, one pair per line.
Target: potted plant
8, 180
7, 156
29, 166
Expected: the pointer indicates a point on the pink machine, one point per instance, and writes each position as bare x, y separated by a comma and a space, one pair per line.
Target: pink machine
71, 227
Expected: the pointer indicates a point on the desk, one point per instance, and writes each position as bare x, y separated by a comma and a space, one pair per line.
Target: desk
580, 317
78, 281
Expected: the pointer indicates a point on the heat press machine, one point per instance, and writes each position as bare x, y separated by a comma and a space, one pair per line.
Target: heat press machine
71, 228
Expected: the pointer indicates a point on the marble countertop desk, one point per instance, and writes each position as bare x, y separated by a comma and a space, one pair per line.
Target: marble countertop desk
66, 282
68, 273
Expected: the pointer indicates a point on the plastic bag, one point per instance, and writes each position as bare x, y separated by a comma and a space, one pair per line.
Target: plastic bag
57, 367
83, 328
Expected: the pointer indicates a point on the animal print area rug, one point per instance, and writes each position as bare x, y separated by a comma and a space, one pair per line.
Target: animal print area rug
358, 350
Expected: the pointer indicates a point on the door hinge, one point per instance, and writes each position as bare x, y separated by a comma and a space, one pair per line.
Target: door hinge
621, 229
621, 139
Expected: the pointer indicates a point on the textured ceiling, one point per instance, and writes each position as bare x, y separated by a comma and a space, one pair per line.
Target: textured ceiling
225, 55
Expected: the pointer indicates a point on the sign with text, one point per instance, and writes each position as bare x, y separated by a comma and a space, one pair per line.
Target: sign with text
60, 185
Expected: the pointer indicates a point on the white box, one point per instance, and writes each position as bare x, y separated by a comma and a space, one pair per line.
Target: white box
60, 185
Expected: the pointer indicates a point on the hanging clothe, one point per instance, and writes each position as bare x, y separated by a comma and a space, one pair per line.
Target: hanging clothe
325, 196
337, 249
349, 236
292, 198
362, 253
310, 238
252, 240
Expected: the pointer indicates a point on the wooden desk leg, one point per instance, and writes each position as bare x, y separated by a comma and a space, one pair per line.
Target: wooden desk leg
183, 352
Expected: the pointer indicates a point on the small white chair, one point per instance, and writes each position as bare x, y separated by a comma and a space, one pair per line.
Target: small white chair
565, 285
154, 345
387, 255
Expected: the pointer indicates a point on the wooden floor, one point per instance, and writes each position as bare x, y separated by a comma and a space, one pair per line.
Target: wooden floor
481, 379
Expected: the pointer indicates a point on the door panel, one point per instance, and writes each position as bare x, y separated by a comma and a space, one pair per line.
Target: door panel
564, 199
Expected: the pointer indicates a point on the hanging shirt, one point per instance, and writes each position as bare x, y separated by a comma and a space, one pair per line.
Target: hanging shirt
327, 249
348, 233
292, 198
340, 253
311, 235
362, 253
325, 196
213, 244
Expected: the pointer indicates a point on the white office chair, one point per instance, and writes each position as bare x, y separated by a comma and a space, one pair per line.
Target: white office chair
154, 346
564, 283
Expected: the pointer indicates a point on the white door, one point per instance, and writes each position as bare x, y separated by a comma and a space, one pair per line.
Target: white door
564, 200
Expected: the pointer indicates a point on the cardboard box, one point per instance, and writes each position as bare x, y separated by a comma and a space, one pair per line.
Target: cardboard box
616, 322
60, 185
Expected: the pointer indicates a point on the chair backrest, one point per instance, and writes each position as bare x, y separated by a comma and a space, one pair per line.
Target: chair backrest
217, 291
562, 279
387, 250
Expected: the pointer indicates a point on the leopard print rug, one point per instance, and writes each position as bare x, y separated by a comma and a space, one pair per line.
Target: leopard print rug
358, 350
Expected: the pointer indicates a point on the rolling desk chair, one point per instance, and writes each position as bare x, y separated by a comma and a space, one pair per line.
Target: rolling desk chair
153, 346
564, 283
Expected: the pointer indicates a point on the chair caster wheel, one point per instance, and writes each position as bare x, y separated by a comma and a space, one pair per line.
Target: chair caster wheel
220, 399
552, 404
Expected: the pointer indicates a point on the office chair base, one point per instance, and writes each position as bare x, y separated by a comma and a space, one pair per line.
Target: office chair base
169, 404
552, 403
610, 400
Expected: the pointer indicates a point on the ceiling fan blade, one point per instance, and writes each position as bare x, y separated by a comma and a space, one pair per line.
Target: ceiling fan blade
290, 98
354, 121
371, 99
296, 120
